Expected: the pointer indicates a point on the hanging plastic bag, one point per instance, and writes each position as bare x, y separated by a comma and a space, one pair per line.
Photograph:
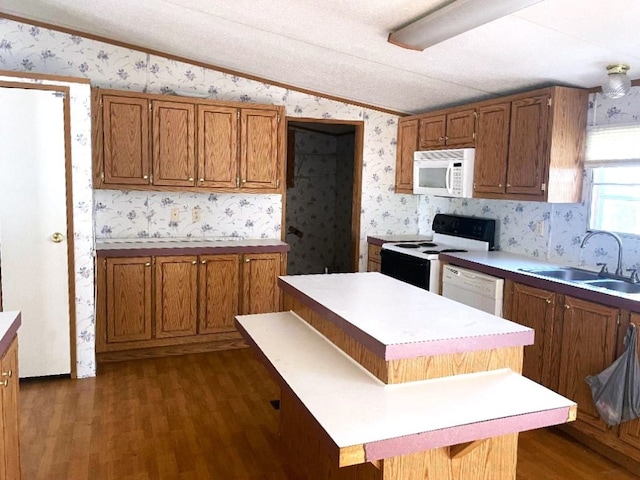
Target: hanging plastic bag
616, 390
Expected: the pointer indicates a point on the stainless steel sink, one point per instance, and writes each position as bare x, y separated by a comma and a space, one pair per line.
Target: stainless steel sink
568, 274
617, 285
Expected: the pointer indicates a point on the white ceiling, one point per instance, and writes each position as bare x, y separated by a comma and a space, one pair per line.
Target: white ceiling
340, 48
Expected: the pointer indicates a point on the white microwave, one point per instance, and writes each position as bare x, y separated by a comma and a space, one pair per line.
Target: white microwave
446, 173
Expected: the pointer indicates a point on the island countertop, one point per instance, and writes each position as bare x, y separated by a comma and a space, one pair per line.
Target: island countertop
396, 320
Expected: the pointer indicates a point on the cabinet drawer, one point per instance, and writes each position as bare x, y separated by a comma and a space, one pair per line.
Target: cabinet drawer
374, 253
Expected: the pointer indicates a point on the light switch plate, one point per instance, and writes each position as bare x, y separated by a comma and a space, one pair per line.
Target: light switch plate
175, 214
196, 214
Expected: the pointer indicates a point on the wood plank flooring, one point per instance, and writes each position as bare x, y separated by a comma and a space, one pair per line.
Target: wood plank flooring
202, 416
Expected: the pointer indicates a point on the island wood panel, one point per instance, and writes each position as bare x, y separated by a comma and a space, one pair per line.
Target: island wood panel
176, 293
589, 338
217, 146
528, 146
406, 146
219, 292
259, 158
9, 414
128, 299
535, 308
174, 161
125, 159
630, 431
408, 369
492, 148
260, 292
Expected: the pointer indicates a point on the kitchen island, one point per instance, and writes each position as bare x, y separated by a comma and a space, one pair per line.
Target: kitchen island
339, 420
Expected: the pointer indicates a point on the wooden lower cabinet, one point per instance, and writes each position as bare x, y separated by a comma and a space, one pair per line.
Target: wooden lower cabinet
373, 258
630, 431
9, 426
145, 302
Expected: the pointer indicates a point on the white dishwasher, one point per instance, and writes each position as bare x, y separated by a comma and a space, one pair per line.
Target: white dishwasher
472, 288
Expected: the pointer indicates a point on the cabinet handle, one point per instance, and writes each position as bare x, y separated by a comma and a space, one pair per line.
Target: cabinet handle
247, 260
194, 262
147, 264
203, 262
8, 374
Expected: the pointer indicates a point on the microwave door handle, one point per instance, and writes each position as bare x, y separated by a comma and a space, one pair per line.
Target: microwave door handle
447, 178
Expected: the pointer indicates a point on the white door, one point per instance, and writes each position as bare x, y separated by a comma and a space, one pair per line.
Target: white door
33, 208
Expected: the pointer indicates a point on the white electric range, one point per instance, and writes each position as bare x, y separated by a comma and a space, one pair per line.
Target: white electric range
418, 263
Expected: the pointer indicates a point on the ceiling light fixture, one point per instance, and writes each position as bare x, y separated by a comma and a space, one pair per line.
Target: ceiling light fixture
453, 19
617, 83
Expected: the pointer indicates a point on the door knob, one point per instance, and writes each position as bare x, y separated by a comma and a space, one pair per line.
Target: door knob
57, 237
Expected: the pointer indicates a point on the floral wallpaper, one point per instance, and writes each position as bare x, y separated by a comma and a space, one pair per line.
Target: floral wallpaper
82, 196
316, 204
551, 232
31, 49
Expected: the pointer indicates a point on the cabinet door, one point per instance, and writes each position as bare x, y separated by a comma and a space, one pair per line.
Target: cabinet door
535, 308
128, 299
125, 123
9, 421
589, 334
260, 292
259, 158
630, 431
373, 258
176, 296
217, 146
492, 148
461, 128
174, 161
406, 146
528, 151
432, 131
219, 291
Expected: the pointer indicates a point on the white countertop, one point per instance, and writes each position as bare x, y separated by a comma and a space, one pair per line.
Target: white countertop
398, 320
9, 324
355, 408
175, 243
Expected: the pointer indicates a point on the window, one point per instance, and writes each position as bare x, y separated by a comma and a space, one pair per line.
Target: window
613, 155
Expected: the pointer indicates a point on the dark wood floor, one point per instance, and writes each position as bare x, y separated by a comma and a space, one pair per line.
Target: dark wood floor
201, 416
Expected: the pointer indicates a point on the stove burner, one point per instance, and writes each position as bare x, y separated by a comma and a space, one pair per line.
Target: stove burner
426, 244
451, 250
431, 252
407, 245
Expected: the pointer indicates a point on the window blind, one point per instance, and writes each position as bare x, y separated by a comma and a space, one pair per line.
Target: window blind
613, 145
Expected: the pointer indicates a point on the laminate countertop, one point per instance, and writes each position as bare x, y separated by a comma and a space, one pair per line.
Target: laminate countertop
380, 239
397, 320
510, 266
187, 246
9, 324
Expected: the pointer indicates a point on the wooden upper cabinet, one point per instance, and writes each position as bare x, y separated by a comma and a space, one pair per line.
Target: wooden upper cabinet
219, 292
260, 163
260, 292
127, 293
407, 144
448, 130
174, 160
589, 337
176, 295
217, 146
492, 149
432, 131
527, 145
125, 124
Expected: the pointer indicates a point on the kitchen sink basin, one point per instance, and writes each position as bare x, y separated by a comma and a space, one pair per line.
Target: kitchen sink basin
568, 274
617, 285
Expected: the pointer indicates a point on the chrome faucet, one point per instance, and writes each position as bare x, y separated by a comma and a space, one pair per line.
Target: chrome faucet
616, 238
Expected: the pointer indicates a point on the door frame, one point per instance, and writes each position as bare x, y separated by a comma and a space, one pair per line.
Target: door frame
66, 93
356, 200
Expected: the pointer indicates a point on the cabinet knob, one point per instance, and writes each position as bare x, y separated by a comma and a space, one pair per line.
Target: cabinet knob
147, 264
247, 260
446, 138
441, 139
203, 262
191, 179
567, 307
244, 180
499, 185
194, 262
145, 177
8, 374
57, 237
4, 383
548, 301
508, 185
201, 180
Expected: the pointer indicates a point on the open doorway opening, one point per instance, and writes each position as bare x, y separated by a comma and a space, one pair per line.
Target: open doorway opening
322, 204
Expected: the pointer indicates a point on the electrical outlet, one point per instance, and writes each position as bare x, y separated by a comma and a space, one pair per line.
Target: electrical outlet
196, 214
175, 214
540, 228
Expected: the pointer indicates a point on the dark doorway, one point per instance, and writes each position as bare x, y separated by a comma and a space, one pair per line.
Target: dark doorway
322, 206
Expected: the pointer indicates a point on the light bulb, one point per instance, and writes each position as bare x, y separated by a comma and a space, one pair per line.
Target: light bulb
617, 84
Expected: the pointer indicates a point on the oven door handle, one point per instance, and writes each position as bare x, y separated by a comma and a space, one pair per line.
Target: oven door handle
447, 178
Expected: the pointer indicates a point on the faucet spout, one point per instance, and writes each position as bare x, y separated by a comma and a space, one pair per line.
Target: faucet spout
616, 238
